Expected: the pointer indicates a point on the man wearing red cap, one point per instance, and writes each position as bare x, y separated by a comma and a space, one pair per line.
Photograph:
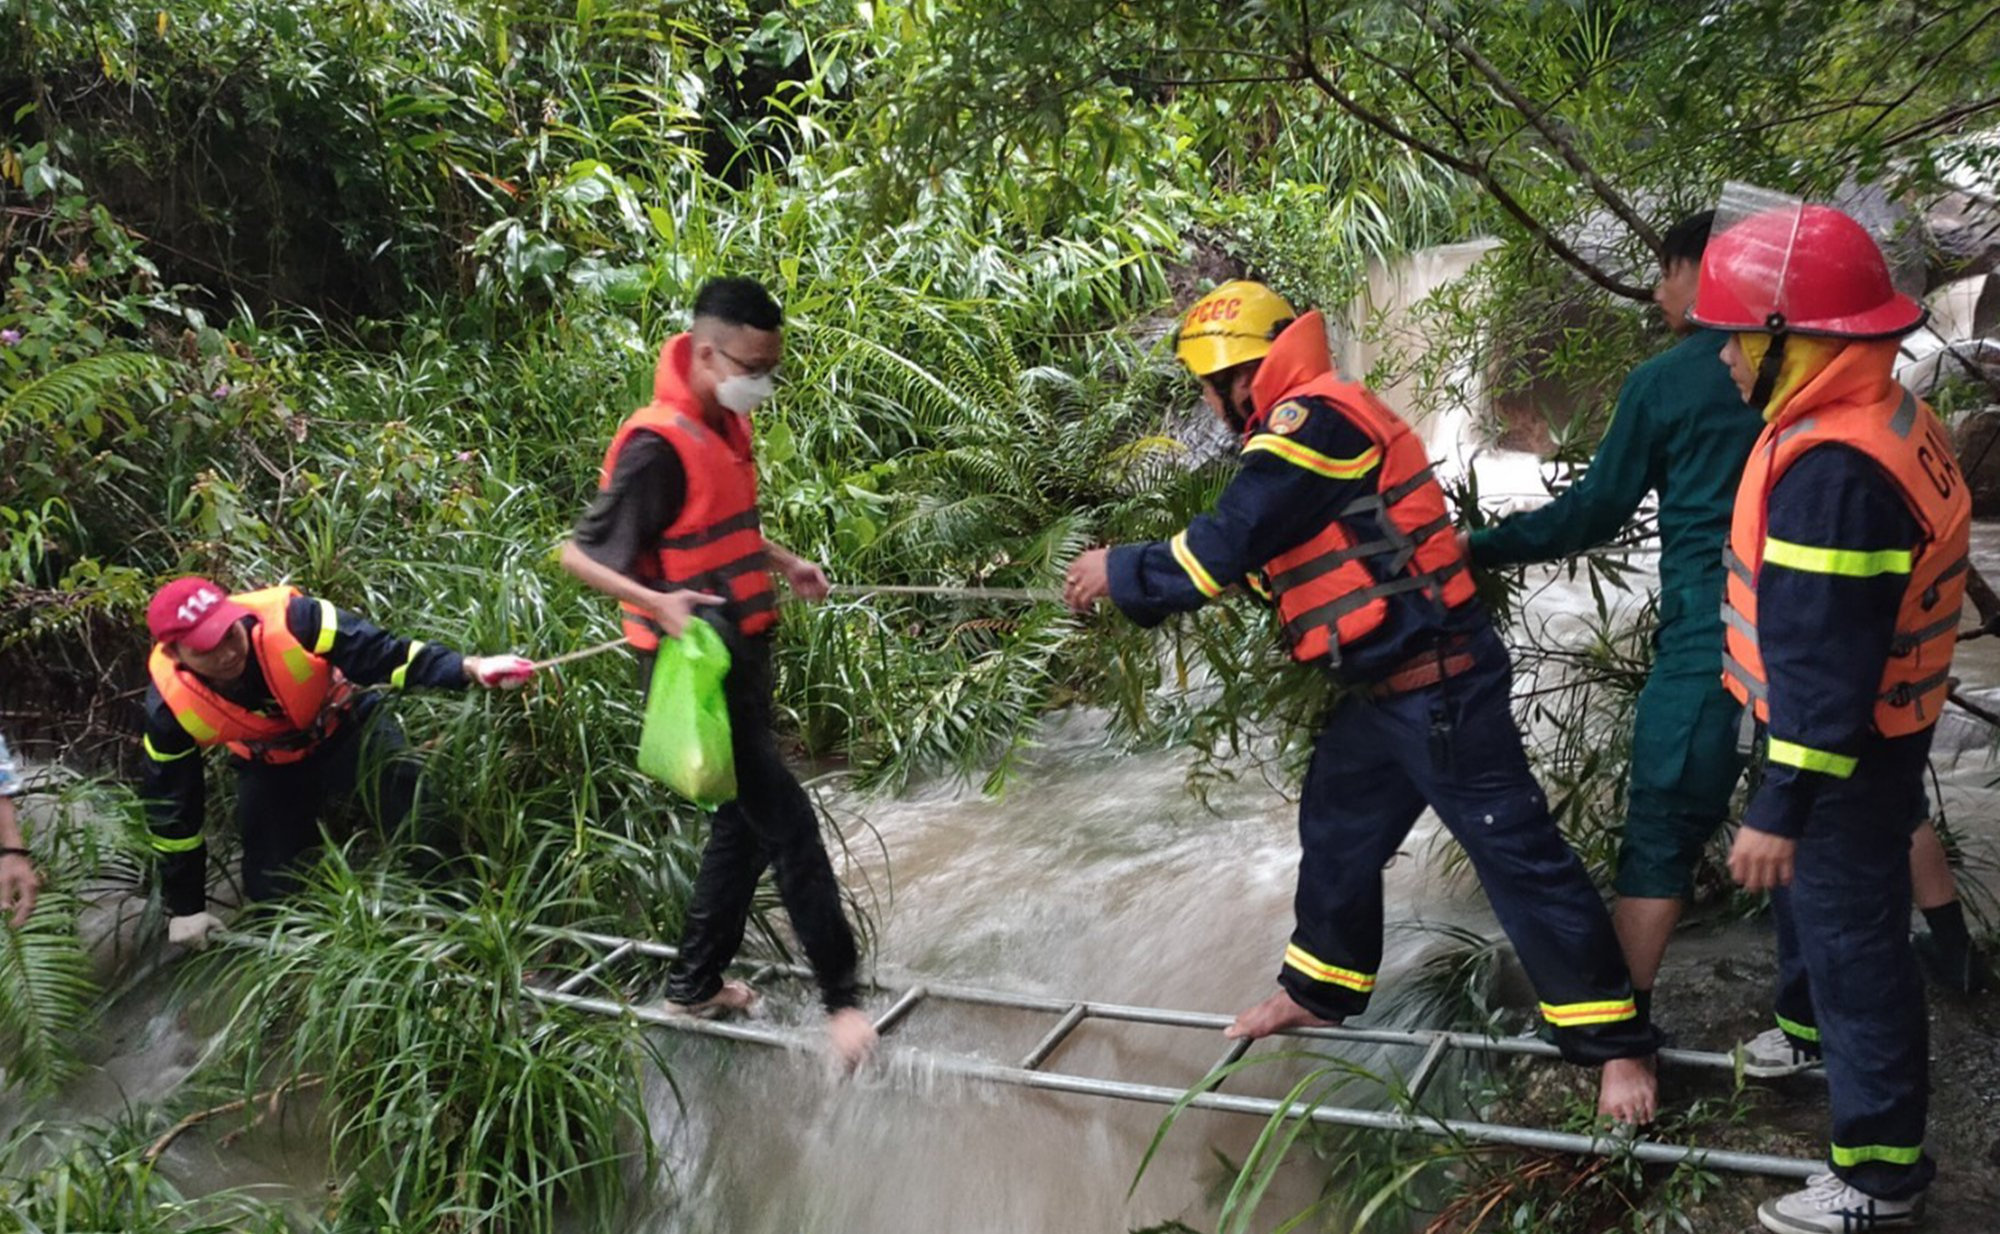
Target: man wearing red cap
1846, 572
271, 675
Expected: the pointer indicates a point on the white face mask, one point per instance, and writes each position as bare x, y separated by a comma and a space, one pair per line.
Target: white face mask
742, 394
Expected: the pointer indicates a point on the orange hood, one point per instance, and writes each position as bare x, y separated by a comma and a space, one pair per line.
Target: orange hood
670, 384
1862, 372
1297, 356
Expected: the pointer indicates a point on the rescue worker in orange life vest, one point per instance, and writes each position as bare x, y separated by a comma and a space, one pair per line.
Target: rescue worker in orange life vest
1335, 516
1846, 572
271, 676
675, 529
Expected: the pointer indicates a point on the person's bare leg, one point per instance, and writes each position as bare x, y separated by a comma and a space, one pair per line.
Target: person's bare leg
1274, 1015
1644, 926
1629, 1091
1931, 880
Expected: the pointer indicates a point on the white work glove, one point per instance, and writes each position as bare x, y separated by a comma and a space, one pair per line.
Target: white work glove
500, 672
192, 930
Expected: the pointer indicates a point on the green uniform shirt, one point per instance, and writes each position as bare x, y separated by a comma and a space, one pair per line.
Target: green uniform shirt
1680, 430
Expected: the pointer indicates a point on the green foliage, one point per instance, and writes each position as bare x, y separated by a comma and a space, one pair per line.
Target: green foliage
452, 1101
46, 995
96, 1178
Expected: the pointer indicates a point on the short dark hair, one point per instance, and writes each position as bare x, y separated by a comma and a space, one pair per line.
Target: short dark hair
739, 302
1687, 239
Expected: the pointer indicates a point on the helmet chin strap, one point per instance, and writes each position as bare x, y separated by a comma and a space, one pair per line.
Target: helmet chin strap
1774, 360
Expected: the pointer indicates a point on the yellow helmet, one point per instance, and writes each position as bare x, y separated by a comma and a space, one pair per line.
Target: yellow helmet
1231, 325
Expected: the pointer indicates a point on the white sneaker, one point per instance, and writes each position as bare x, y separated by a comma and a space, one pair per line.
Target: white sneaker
1771, 1053
1830, 1206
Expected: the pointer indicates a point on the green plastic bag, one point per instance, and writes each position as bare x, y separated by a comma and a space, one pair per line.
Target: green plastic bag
685, 742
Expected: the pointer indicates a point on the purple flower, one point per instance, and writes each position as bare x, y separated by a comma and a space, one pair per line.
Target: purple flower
465, 456
9, 337
220, 392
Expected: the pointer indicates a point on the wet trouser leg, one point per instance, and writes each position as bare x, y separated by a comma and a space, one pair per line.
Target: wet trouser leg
1685, 765
1848, 910
280, 807
772, 822
1356, 808
1455, 746
1476, 775
1793, 1002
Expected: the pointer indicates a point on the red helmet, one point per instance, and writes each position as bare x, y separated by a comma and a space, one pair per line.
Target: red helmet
1804, 270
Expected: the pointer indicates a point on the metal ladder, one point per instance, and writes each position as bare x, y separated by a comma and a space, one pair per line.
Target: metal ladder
606, 952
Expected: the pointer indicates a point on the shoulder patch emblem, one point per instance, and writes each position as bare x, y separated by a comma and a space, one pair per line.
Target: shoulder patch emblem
1287, 418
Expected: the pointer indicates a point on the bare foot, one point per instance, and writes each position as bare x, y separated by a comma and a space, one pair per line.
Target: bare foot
850, 1038
1630, 1091
1274, 1015
734, 998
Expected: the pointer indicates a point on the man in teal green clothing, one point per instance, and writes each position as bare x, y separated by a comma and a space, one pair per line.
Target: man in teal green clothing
1683, 431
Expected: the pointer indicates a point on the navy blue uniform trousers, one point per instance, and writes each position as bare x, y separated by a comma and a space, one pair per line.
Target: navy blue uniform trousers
771, 825
1848, 984
1454, 747
282, 807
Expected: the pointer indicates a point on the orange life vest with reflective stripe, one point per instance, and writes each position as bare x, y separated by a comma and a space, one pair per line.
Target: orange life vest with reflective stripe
1900, 433
1334, 589
312, 696
716, 543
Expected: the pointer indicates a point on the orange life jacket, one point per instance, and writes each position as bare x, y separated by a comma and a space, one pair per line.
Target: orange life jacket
716, 543
313, 698
1855, 404
1334, 589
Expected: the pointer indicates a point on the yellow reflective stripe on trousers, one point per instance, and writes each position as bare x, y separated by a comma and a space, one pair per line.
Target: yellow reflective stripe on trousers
153, 751
1198, 574
1848, 562
186, 844
1319, 970
1804, 1032
1576, 1015
1312, 460
1805, 758
329, 625
1894, 1154
397, 678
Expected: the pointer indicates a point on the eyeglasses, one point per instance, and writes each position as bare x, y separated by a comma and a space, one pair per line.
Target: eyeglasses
749, 370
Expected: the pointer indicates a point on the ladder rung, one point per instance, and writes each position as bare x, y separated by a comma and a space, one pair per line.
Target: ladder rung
578, 978
900, 1008
1427, 1066
1047, 1045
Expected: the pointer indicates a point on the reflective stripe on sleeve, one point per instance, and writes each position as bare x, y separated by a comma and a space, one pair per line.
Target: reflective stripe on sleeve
1847, 562
329, 626
1297, 957
1312, 460
153, 751
1198, 574
401, 675
1805, 758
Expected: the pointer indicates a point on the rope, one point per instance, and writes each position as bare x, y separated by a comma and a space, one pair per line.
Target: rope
1018, 595
569, 656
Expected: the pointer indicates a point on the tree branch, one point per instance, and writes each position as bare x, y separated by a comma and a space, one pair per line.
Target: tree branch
1539, 118
1476, 172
